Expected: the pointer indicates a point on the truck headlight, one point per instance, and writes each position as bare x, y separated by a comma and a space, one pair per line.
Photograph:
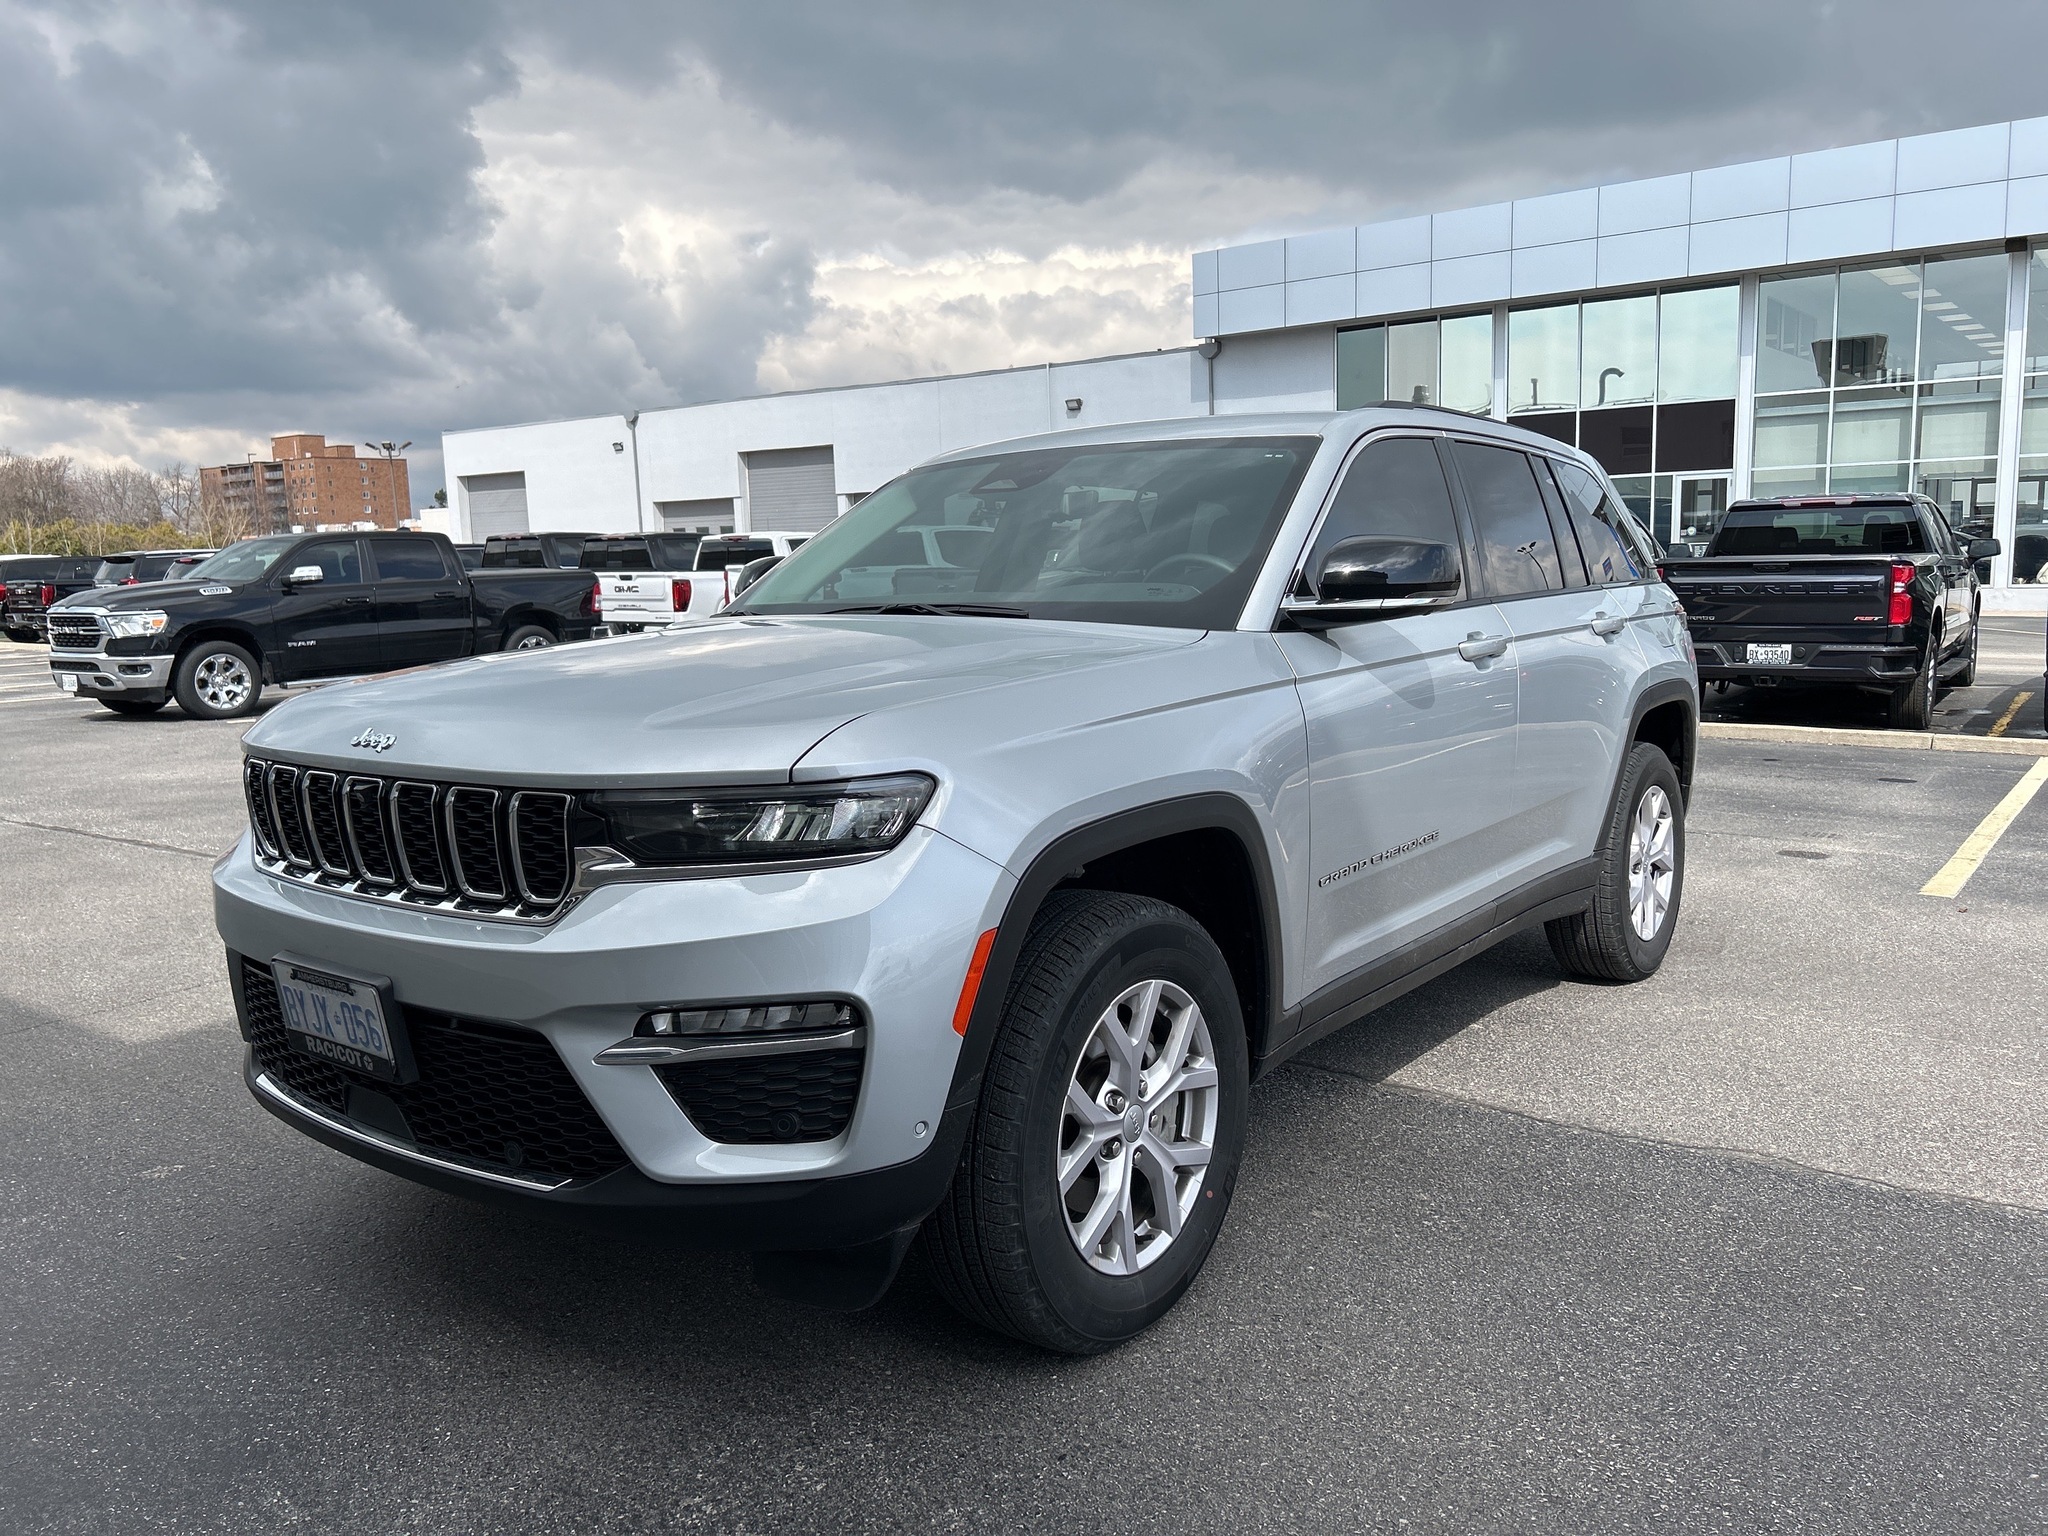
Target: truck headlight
137, 624
757, 826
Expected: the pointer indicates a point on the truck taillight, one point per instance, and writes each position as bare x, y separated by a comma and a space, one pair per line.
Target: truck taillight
592, 598
679, 595
1902, 599
49, 594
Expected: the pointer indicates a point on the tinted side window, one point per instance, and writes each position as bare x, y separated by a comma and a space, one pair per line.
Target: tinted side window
1395, 489
716, 556
337, 559
566, 551
1515, 548
675, 551
616, 555
1599, 525
510, 555
1561, 533
406, 560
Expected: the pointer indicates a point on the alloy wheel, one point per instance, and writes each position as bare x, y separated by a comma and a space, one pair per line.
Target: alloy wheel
1652, 862
223, 682
1138, 1127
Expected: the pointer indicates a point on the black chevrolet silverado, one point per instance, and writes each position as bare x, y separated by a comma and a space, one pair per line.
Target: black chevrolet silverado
1869, 592
298, 607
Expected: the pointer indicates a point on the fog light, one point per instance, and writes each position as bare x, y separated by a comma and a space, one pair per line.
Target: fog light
749, 1019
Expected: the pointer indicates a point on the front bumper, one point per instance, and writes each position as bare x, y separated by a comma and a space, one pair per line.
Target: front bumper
892, 935
144, 678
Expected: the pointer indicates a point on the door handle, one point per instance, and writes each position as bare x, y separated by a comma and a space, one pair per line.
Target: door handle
1608, 624
1478, 647
354, 600
448, 594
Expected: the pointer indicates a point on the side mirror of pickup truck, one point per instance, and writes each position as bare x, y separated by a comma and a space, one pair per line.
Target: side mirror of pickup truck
752, 572
1366, 577
1984, 549
305, 576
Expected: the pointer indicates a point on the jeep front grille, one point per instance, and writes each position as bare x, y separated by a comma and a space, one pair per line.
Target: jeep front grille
457, 848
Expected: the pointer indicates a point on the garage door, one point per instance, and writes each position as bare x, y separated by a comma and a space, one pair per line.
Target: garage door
696, 516
790, 490
497, 504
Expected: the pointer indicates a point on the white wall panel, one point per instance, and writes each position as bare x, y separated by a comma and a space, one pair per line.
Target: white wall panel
574, 481
1958, 158
1646, 256
1205, 315
1843, 175
2028, 155
1251, 266
1285, 371
1729, 245
2026, 207
1252, 309
1553, 268
1470, 279
1950, 216
1839, 229
1322, 298
1738, 191
1630, 206
1471, 231
1205, 272
1396, 243
1557, 218
1393, 290
1323, 254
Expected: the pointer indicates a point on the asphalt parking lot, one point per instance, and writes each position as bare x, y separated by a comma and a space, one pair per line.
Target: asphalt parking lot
1761, 1244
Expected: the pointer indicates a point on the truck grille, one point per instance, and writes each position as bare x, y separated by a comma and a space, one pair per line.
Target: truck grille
456, 848
494, 1095
768, 1099
74, 632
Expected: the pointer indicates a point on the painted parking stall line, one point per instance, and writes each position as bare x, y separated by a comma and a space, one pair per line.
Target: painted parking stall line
1955, 874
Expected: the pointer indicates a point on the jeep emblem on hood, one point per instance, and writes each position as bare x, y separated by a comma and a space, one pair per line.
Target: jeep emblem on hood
376, 741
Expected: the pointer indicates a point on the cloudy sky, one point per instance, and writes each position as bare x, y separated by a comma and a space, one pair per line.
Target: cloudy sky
220, 220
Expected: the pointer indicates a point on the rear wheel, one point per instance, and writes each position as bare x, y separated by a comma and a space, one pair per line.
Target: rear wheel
529, 637
1912, 706
133, 706
22, 636
217, 680
1624, 935
1104, 1150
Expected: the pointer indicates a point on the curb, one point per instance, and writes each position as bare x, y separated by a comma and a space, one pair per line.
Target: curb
1910, 741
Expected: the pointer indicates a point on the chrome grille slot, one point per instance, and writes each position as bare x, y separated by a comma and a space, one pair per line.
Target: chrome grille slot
291, 820
464, 849
369, 837
74, 632
540, 846
419, 844
323, 822
473, 842
256, 789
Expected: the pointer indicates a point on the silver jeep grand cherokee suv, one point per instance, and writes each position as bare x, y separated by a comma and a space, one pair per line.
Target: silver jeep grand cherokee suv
967, 897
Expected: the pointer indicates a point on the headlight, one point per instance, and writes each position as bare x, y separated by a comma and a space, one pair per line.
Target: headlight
136, 624
754, 826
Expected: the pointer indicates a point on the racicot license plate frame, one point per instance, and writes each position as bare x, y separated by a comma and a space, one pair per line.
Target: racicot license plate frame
344, 1018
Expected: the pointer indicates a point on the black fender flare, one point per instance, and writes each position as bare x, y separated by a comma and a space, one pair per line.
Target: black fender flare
1070, 852
1657, 696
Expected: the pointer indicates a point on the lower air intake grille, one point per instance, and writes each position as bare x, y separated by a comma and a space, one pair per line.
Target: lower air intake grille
769, 1099
494, 1095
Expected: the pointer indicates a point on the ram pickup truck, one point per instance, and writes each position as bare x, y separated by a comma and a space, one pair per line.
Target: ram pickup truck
299, 607
652, 587
972, 909
1868, 592
31, 584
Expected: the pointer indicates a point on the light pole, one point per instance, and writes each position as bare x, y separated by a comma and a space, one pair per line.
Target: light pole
389, 451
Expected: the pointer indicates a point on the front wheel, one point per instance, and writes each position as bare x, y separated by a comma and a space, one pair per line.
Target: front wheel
1103, 1154
217, 680
133, 706
529, 637
1624, 935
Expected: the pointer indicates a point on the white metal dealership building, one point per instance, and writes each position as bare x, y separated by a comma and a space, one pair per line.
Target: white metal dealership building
1866, 318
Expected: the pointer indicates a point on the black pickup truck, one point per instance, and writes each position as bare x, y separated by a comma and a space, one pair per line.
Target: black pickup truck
29, 584
299, 607
1869, 592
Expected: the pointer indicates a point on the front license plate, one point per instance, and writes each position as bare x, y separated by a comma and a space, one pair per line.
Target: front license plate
67, 682
1770, 655
338, 1018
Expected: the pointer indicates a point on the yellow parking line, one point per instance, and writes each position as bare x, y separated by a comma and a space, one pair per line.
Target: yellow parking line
1955, 874
2006, 719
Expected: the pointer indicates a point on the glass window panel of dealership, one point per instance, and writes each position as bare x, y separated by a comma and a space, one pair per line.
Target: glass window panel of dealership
1644, 383
1885, 376
2030, 522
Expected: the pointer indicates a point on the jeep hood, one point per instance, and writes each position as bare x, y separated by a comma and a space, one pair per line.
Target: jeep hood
725, 701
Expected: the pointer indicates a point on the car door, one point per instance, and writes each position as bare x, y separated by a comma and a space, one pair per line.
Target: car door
1410, 722
423, 612
326, 627
1958, 594
1576, 661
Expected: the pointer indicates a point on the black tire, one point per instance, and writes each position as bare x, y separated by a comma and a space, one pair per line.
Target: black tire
1966, 675
134, 706
199, 693
999, 1245
1602, 943
22, 636
1912, 706
529, 637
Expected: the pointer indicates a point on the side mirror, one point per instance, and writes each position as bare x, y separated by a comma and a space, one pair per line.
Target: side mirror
1984, 549
306, 576
752, 572
1363, 577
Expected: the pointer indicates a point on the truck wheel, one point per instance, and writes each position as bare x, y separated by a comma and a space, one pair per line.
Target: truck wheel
21, 636
1912, 706
1625, 933
217, 680
1103, 1153
133, 706
529, 637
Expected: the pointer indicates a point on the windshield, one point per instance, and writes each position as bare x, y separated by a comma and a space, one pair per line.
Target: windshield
246, 561
1166, 533
1867, 529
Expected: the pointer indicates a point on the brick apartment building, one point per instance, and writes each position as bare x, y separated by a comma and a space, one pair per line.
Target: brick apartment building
310, 483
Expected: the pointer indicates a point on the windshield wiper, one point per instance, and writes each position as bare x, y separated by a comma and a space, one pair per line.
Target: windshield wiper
971, 610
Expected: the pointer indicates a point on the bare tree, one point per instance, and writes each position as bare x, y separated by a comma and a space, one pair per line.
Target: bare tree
218, 520
177, 496
114, 506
